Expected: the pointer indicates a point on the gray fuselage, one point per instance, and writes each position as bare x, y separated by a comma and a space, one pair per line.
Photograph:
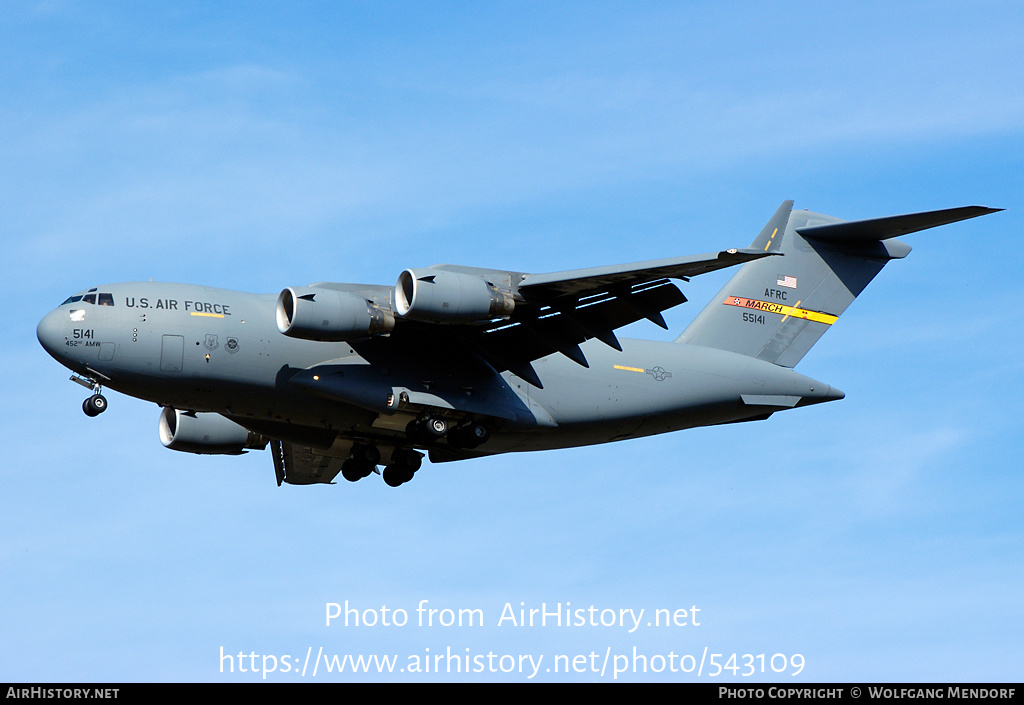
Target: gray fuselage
203, 349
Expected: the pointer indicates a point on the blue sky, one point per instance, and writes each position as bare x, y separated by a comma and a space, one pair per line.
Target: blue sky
261, 145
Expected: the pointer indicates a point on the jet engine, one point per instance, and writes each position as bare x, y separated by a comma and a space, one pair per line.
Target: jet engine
328, 315
449, 297
206, 433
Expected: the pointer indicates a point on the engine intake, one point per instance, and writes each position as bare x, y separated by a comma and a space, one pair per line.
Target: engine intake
449, 297
328, 315
206, 433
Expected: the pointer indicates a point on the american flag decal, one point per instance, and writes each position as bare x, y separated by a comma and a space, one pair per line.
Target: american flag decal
787, 281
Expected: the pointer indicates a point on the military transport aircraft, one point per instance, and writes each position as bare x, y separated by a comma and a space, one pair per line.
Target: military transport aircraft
463, 362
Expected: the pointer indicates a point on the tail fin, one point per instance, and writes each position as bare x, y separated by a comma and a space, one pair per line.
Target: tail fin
776, 308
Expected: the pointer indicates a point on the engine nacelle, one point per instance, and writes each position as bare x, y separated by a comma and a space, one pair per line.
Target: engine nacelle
449, 297
206, 433
328, 315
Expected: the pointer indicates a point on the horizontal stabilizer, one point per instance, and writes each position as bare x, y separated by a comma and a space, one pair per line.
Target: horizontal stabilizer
884, 228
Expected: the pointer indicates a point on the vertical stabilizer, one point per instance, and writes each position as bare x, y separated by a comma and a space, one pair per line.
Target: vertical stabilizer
776, 308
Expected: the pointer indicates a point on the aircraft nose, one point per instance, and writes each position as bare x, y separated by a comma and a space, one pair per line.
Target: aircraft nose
51, 332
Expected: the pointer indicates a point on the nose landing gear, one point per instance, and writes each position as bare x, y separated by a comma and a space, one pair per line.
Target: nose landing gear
97, 403
94, 405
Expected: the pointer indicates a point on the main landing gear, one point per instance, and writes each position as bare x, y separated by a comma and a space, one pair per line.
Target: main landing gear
426, 430
469, 435
430, 429
404, 464
363, 461
365, 458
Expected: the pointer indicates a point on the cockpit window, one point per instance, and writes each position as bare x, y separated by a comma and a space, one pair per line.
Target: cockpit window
91, 298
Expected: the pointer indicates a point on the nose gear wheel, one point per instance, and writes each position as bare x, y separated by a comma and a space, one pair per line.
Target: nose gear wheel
94, 405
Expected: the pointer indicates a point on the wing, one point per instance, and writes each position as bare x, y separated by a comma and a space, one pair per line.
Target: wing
582, 281
556, 312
